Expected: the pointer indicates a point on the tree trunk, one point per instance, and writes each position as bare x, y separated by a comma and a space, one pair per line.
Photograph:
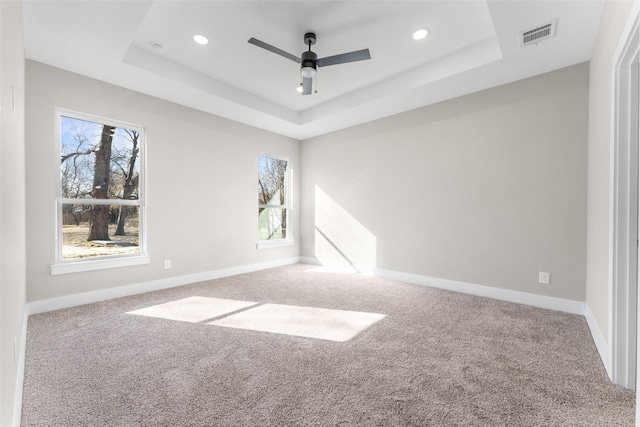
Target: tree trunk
124, 210
100, 213
122, 216
130, 184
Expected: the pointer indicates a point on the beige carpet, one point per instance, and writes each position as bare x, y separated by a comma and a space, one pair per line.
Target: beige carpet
293, 346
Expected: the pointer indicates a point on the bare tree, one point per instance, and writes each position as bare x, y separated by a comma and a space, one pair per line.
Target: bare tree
99, 162
271, 180
76, 174
101, 172
131, 180
272, 175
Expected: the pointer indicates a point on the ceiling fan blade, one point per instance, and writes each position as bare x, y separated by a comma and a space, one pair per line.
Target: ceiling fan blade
343, 58
307, 84
274, 49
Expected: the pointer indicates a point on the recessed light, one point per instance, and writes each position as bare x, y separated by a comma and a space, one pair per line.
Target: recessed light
200, 39
299, 88
420, 34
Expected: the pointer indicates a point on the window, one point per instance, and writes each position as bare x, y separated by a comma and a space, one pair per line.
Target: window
100, 209
273, 201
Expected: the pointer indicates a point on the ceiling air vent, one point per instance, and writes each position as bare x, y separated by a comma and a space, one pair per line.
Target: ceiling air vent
537, 34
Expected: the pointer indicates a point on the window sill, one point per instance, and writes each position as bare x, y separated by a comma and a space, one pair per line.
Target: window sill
99, 264
267, 244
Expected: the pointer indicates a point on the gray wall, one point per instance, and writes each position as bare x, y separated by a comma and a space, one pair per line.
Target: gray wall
12, 204
488, 189
201, 176
601, 98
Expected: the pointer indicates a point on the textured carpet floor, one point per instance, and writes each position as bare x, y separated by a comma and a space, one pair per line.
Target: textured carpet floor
437, 358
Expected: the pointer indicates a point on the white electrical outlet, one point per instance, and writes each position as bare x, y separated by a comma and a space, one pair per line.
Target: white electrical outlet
543, 278
167, 263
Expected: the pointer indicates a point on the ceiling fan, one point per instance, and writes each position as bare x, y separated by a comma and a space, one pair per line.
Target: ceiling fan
309, 60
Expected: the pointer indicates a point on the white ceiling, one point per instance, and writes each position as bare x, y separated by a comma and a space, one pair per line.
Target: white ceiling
473, 45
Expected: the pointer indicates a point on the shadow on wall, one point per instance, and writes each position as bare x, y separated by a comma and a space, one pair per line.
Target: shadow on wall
341, 241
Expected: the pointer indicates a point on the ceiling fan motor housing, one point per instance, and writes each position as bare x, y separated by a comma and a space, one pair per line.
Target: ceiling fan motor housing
308, 61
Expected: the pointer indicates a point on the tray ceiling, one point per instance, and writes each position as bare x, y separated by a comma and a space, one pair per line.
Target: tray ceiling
472, 45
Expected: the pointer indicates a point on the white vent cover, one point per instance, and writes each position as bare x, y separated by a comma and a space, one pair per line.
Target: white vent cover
537, 34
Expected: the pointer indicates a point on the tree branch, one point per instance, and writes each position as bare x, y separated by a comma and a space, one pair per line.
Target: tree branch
76, 154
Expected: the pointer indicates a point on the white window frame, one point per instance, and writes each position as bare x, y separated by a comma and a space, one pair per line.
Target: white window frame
62, 266
288, 241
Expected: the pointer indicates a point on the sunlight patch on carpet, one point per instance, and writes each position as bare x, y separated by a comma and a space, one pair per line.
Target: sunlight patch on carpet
193, 309
310, 322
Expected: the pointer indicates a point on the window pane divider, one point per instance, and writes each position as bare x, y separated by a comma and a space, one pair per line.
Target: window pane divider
100, 202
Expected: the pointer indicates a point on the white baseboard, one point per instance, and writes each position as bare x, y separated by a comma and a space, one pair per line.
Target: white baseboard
599, 340
339, 266
310, 260
17, 401
542, 301
551, 303
51, 304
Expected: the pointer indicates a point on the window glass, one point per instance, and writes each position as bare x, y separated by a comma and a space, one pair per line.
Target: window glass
273, 198
99, 199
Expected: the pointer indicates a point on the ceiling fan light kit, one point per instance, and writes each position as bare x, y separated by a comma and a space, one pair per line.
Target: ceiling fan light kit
308, 71
309, 61
308, 67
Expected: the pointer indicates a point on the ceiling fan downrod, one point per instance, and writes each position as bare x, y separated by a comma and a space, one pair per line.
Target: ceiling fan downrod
308, 67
